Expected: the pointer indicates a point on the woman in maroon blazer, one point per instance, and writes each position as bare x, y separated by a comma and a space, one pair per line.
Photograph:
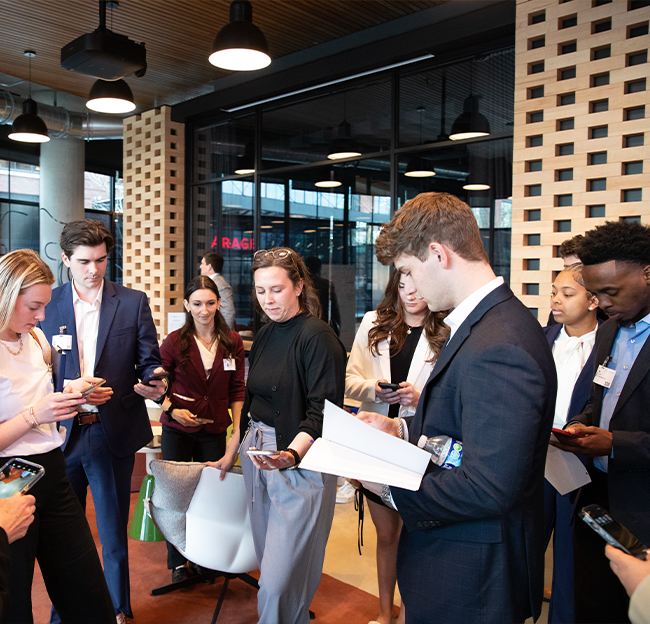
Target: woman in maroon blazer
205, 361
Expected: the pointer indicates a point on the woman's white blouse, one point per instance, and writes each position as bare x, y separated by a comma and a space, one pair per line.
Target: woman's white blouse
24, 380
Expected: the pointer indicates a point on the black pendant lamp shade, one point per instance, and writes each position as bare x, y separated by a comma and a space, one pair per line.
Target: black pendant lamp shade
470, 124
29, 127
418, 167
246, 162
344, 145
331, 181
240, 45
110, 96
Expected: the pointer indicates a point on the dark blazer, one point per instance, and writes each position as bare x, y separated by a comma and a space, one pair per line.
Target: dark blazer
206, 397
127, 349
472, 547
582, 388
628, 475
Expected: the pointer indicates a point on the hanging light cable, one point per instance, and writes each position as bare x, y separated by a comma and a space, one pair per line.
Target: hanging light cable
29, 127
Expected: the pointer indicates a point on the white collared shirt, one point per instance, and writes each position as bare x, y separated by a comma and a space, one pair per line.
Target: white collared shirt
458, 315
86, 317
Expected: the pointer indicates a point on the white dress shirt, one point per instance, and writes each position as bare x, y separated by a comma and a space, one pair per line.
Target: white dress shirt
570, 354
86, 317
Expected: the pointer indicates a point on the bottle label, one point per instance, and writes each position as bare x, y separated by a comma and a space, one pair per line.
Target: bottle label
454, 456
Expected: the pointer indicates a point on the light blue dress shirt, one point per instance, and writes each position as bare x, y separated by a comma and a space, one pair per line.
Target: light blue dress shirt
629, 341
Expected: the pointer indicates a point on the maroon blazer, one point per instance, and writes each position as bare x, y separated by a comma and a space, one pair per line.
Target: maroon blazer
207, 398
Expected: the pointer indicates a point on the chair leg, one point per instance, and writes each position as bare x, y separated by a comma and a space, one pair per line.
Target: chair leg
222, 595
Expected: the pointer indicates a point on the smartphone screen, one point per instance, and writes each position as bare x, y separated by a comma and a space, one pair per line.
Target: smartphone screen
18, 476
566, 434
612, 532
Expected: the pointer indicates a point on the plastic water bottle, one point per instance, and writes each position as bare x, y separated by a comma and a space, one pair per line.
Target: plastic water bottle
446, 452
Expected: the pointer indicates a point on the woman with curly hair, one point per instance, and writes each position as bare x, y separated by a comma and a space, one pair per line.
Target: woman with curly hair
396, 344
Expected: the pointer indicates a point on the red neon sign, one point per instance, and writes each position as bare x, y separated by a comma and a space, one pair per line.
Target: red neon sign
235, 243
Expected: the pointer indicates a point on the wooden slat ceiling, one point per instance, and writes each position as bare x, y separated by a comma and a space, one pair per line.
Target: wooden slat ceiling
178, 36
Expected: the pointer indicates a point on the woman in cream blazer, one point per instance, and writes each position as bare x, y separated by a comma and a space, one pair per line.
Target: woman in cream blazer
396, 343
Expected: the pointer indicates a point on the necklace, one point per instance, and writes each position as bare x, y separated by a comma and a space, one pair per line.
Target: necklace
20, 347
206, 343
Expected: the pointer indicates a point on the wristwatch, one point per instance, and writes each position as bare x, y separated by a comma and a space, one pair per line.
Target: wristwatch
296, 458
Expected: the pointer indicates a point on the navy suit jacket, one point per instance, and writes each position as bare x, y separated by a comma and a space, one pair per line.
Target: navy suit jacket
127, 349
472, 547
628, 476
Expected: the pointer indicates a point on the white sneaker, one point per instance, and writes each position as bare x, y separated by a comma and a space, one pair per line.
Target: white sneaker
345, 493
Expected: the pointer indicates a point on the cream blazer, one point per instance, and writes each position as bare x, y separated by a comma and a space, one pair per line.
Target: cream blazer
364, 369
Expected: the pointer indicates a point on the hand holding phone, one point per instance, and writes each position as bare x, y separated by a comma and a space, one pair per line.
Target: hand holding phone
262, 453
612, 532
156, 377
90, 389
567, 434
384, 385
203, 421
19, 475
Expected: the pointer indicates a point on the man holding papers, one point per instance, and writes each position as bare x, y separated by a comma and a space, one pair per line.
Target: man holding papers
472, 547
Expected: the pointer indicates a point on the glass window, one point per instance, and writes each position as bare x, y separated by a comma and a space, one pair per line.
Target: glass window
19, 209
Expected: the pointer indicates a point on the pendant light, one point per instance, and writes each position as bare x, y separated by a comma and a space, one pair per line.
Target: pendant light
246, 163
418, 167
344, 145
240, 45
29, 127
330, 182
110, 96
470, 124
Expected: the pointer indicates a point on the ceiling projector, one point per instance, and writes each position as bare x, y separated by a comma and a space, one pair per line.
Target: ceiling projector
104, 54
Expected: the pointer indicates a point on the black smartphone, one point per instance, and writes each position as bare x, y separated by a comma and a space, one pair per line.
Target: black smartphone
384, 385
613, 532
19, 475
90, 389
155, 377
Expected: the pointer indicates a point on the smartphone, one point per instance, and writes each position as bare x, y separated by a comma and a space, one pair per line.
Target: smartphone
258, 453
19, 475
613, 532
155, 377
203, 421
92, 388
567, 434
384, 385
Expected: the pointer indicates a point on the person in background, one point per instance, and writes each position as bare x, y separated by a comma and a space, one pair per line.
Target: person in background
329, 304
60, 537
461, 551
634, 574
211, 266
16, 515
205, 360
569, 250
397, 343
296, 362
615, 425
571, 339
113, 336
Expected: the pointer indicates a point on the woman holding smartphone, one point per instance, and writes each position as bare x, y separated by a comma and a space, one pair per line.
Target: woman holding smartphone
59, 537
205, 361
391, 359
296, 362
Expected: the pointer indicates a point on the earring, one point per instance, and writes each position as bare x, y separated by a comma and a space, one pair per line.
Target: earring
591, 308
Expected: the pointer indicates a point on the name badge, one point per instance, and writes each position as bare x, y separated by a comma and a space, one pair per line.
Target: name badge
229, 364
604, 376
62, 341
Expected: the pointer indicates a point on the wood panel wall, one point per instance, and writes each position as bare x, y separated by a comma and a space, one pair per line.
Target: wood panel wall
154, 187
581, 153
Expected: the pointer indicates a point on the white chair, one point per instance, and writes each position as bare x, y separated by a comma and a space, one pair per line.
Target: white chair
217, 530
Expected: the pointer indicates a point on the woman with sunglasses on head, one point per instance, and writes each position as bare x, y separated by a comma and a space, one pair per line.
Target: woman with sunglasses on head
295, 363
59, 537
398, 343
205, 360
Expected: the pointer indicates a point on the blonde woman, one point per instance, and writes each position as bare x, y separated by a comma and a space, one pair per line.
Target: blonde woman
59, 537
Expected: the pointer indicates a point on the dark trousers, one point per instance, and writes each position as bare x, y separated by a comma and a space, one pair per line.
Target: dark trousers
61, 540
600, 597
181, 446
91, 462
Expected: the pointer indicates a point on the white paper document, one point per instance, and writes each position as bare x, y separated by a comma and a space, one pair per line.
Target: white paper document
351, 448
564, 471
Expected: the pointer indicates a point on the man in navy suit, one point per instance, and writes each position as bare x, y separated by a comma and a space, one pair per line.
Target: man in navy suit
472, 546
112, 336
